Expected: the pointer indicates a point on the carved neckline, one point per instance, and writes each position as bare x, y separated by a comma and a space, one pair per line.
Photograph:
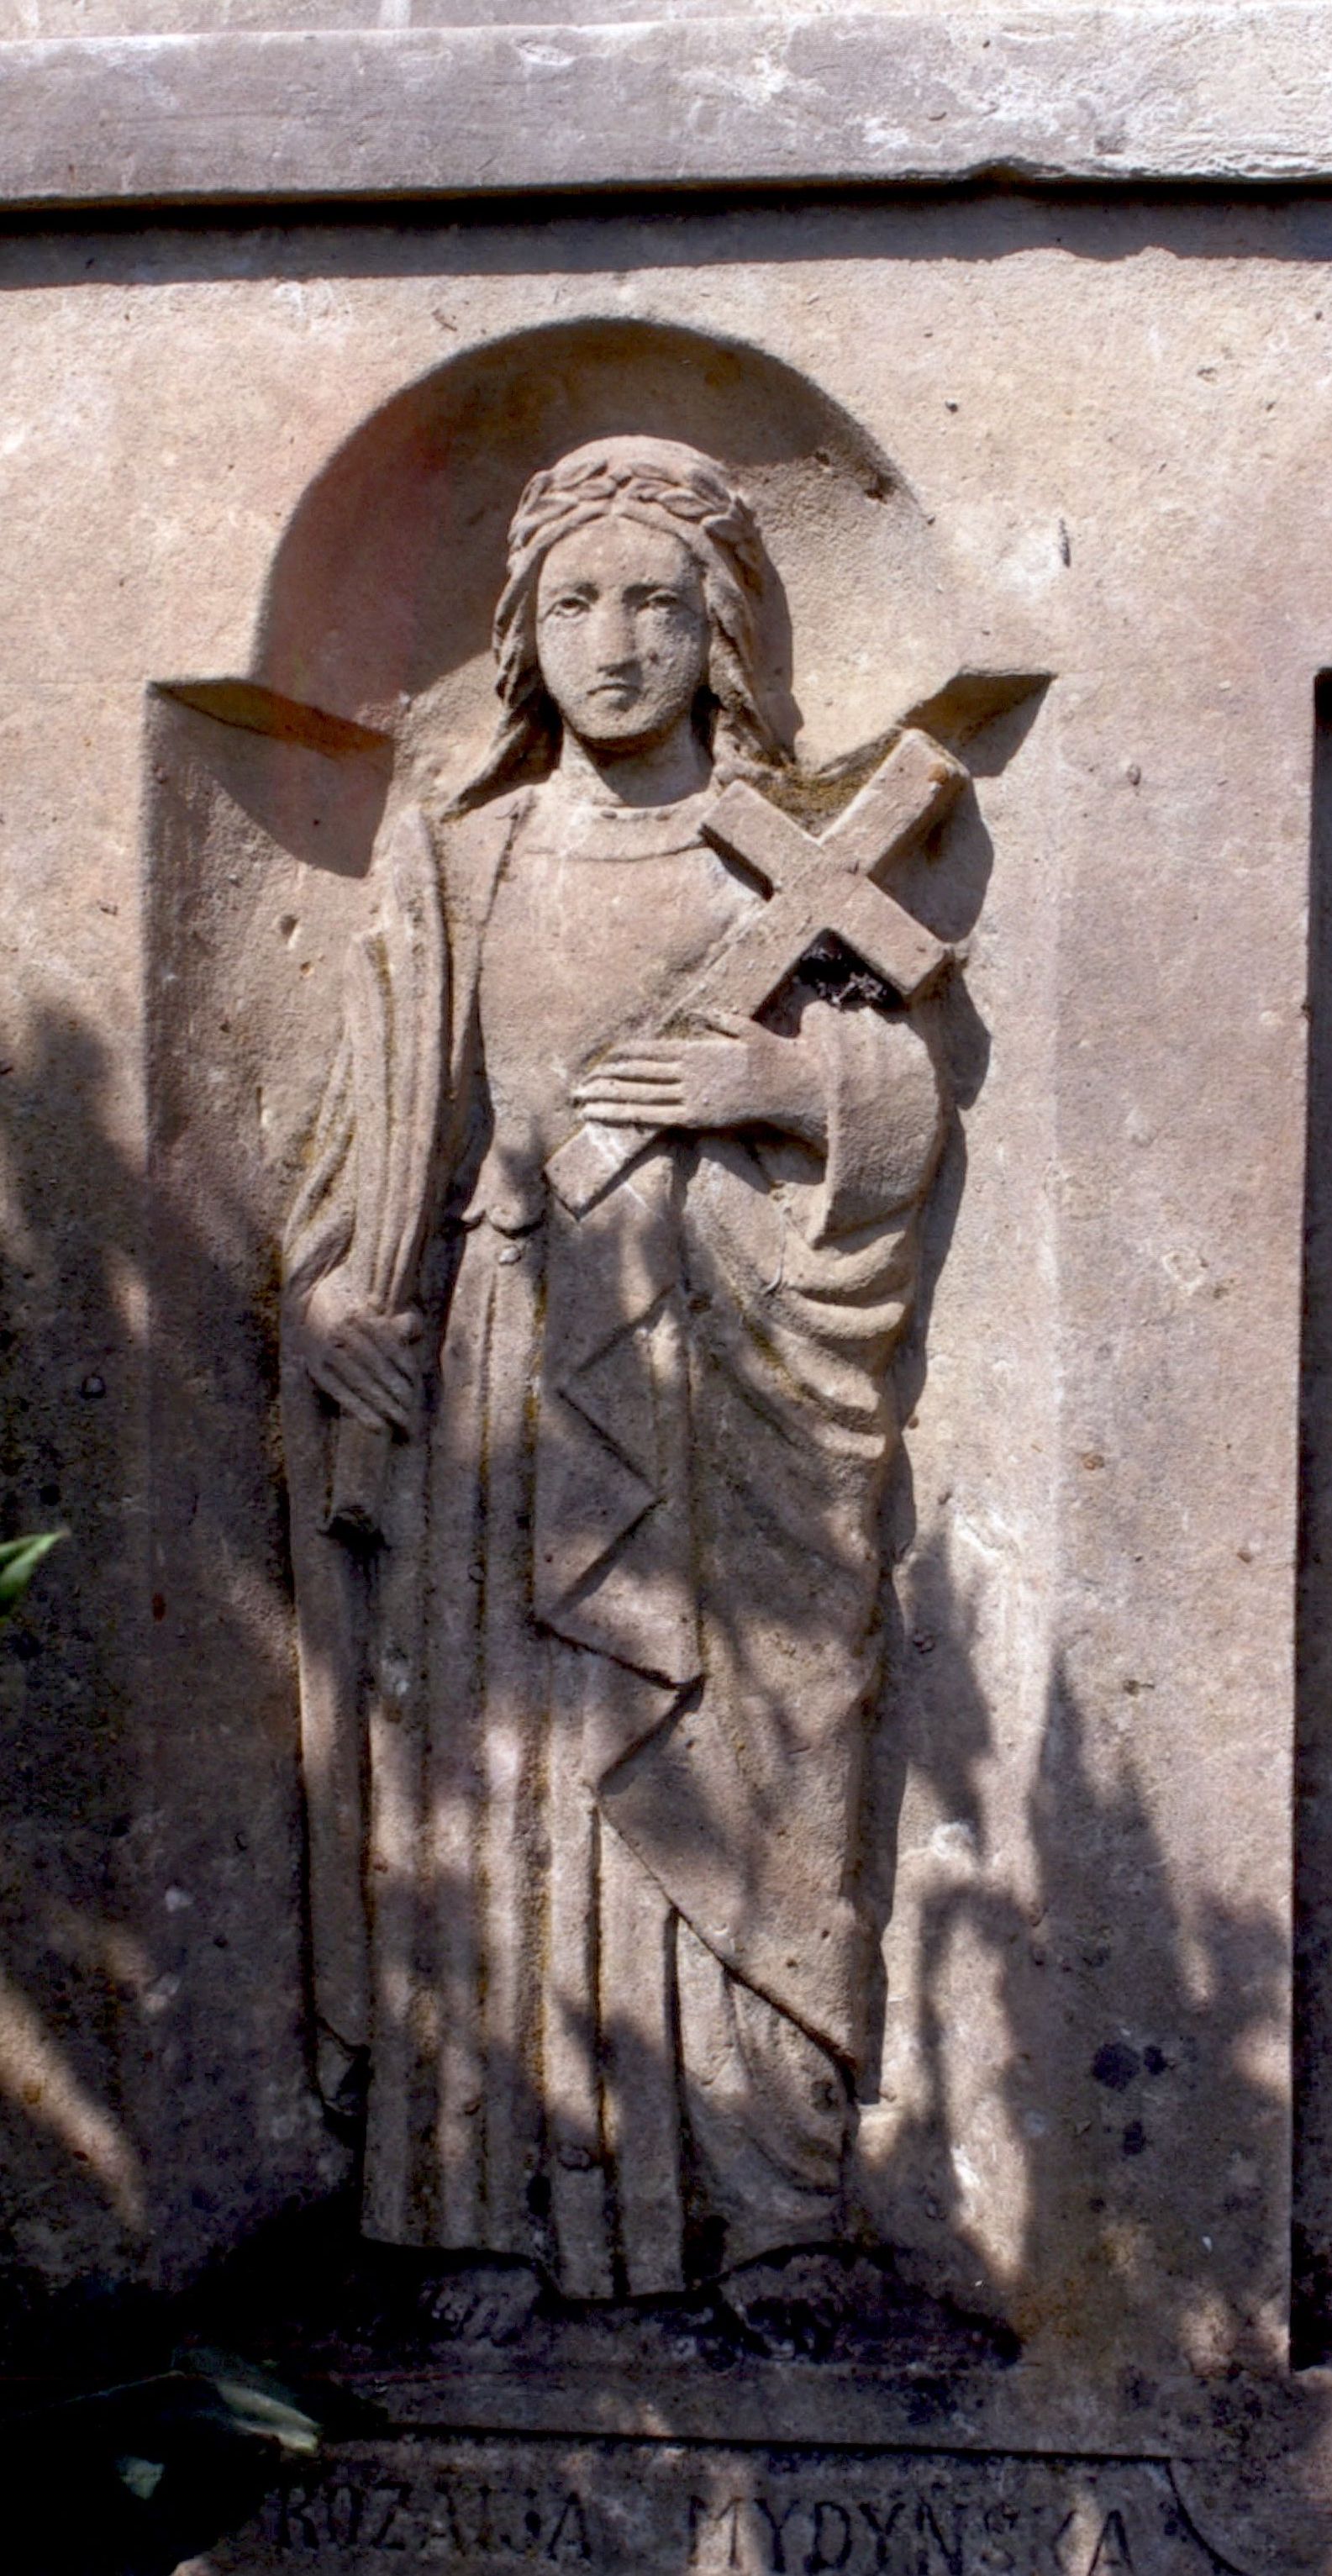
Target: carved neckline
578, 826
575, 797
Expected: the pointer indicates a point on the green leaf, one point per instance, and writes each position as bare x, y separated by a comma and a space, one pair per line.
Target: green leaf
19, 1560
142, 2477
253, 2401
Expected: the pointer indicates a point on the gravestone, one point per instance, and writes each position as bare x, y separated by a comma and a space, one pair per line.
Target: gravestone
668, 830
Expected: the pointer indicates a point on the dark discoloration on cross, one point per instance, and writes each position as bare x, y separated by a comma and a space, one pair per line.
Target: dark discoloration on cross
816, 887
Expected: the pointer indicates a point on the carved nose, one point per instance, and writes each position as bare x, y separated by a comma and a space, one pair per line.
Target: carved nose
613, 634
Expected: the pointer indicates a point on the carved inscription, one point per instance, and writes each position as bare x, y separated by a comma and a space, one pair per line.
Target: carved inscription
437, 2517
915, 2531
626, 2509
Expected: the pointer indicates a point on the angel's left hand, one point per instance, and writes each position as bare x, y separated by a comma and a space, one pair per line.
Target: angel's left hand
744, 1076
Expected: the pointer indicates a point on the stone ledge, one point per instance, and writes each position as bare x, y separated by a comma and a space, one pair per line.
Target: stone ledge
1113, 96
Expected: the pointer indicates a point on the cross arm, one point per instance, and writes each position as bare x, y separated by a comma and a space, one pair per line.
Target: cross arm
908, 794
812, 894
813, 888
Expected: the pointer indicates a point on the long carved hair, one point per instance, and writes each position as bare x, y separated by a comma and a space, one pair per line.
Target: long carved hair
663, 484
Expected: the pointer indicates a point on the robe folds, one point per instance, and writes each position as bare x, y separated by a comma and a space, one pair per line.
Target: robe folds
582, 1739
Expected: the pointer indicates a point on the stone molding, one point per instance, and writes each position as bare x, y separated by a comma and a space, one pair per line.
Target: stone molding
1116, 96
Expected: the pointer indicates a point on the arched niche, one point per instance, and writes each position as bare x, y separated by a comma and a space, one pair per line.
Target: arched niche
381, 595
371, 665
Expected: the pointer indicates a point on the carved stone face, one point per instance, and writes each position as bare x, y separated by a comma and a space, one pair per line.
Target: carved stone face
622, 633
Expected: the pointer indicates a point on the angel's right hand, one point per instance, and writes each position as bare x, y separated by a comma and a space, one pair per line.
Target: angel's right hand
365, 1360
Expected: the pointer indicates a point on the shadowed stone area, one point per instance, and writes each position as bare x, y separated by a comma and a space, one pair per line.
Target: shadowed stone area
663, 1112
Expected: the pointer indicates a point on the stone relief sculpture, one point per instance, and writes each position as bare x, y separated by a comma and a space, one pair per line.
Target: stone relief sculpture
608, 1233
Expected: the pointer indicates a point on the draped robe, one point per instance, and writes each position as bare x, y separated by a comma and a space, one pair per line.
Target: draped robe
582, 1740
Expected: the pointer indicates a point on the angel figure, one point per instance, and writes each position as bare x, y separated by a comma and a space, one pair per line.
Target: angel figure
586, 1487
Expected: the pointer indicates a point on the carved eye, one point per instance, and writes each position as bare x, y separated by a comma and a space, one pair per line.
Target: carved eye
569, 603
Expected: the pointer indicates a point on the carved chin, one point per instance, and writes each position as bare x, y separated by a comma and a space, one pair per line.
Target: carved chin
627, 727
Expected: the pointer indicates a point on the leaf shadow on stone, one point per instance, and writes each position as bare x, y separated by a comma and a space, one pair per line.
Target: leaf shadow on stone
1103, 2093
75, 2180
123, 1973
1119, 2005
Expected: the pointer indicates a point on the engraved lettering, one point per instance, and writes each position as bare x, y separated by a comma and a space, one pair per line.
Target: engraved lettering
502, 2539
701, 2515
1113, 2557
402, 2530
444, 2523
882, 2530
977, 2517
1067, 2529
831, 2544
949, 2551
777, 2560
346, 2510
568, 2541
1001, 2527
308, 2519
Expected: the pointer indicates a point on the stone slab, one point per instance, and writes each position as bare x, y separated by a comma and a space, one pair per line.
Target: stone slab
660, 2509
1114, 96
1085, 2113
1036, 1875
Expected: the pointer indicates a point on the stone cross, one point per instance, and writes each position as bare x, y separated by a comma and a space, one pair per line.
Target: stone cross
816, 886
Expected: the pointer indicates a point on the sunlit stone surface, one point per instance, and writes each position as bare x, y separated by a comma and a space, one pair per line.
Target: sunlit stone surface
668, 1815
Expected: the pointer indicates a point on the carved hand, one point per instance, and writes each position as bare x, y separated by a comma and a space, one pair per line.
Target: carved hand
366, 1361
744, 1077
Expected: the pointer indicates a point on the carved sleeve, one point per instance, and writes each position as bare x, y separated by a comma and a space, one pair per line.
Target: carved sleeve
319, 1229
365, 1194
885, 1117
